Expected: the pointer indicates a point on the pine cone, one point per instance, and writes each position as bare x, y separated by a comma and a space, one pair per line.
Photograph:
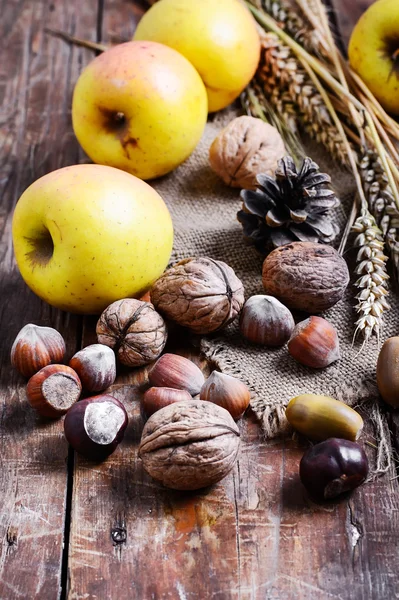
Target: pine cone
293, 206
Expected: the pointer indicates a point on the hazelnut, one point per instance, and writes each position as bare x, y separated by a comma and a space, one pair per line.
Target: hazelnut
388, 371
314, 343
53, 390
134, 330
189, 445
95, 426
228, 392
246, 147
333, 467
156, 398
95, 366
264, 320
36, 347
174, 371
306, 276
201, 294
322, 417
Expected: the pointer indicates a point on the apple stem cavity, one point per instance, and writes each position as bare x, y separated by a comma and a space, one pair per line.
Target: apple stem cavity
42, 249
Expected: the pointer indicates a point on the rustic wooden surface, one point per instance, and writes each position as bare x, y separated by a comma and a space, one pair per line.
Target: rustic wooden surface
73, 529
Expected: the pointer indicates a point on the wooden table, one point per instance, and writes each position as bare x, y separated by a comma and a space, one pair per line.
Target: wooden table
73, 529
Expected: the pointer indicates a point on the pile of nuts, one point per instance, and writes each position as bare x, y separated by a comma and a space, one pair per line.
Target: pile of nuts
190, 439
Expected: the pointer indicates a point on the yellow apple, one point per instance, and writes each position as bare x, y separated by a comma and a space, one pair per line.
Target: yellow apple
374, 52
218, 37
87, 235
140, 107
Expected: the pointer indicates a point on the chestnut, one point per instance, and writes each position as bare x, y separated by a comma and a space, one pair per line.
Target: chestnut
333, 467
95, 426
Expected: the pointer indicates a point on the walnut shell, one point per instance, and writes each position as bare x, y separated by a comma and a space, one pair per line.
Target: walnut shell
189, 445
246, 147
306, 276
134, 330
201, 294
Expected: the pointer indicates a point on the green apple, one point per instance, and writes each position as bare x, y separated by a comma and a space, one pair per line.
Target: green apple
374, 52
140, 107
87, 235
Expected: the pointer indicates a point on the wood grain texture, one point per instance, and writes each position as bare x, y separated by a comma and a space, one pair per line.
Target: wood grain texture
36, 74
253, 536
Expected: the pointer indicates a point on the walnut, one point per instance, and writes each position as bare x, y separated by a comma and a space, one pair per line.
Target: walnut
134, 330
306, 276
189, 445
201, 294
246, 147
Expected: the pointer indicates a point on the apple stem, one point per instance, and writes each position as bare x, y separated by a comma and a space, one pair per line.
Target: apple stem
76, 41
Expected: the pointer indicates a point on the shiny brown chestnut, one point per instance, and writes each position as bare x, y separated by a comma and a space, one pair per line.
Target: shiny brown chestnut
156, 398
333, 467
95, 426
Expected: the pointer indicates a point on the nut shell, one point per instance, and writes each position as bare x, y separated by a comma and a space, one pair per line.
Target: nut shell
134, 330
388, 371
322, 417
306, 276
156, 398
95, 366
174, 371
314, 343
246, 147
95, 426
53, 390
226, 391
264, 320
189, 445
36, 347
201, 294
332, 468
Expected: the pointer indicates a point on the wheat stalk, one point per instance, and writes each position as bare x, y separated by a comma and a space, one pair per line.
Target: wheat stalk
281, 75
372, 283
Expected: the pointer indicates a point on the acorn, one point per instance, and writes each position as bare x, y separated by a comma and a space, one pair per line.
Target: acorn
322, 417
96, 367
174, 371
314, 343
36, 347
53, 390
265, 320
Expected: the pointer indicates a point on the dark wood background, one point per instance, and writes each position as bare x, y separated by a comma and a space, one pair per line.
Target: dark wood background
73, 529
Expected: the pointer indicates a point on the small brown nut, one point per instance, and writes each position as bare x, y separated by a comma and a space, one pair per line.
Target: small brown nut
314, 343
246, 147
306, 276
174, 371
53, 390
228, 392
189, 445
201, 294
95, 366
264, 320
156, 398
322, 417
134, 330
36, 347
388, 371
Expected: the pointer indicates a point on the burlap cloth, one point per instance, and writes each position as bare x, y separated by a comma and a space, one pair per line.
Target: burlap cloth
204, 216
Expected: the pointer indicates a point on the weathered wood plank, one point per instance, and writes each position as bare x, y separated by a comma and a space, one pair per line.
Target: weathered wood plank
35, 87
348, 13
